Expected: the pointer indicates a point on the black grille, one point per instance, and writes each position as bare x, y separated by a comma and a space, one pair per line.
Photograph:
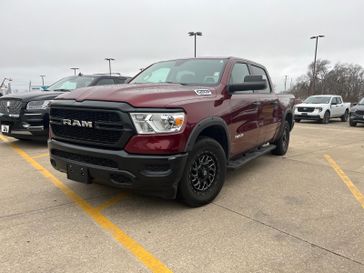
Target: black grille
109, 128
86, 115
10, 106
305, 109
85, 159
359, 112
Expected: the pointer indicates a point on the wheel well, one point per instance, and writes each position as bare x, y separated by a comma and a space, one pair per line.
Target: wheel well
218, 133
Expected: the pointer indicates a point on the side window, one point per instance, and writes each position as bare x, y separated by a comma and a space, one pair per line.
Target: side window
105, 82
334, 100
339, 101
260, 71
238, 73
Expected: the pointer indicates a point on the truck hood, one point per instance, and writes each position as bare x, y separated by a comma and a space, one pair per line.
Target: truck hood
38, 95
140, 95
310, 105
359, 107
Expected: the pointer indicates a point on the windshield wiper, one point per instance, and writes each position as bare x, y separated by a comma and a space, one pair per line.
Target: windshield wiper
181, 83
62, 90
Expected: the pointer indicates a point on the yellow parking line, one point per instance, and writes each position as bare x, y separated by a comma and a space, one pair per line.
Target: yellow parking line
354, 190
112, 201
119, 235
40, 155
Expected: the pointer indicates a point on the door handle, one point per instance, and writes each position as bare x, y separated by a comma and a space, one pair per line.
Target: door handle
257, 103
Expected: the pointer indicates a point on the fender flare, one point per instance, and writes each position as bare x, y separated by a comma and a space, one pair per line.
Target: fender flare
202, 125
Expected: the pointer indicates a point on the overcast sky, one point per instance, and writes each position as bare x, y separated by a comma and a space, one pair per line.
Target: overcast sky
48, 37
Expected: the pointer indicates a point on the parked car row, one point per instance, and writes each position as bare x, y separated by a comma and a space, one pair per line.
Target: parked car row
325, 107
25, 115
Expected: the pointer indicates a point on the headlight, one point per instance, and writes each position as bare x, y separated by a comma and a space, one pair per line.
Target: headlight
318, 108
38, 104
154, 123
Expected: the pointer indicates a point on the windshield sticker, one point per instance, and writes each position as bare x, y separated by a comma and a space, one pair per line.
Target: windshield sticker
203, 92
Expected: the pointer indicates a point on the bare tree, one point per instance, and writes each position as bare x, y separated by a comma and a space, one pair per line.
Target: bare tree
346, 80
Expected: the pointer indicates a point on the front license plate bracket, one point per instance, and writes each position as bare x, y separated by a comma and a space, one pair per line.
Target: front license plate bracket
78, 173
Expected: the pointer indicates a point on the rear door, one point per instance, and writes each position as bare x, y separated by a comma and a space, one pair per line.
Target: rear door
268, 119
334, 107
244, 107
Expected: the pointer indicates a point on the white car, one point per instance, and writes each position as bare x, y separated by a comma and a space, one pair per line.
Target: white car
322, 108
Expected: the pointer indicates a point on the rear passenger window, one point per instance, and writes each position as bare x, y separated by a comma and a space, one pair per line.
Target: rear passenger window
105, 82
238, 73
260, 71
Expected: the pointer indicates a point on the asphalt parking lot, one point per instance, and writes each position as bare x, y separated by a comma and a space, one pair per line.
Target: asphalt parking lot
303, 212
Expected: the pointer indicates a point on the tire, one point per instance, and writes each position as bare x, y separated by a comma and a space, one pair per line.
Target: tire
297, 120
204, 173
344, 118
352, 123
326, 118
283, 142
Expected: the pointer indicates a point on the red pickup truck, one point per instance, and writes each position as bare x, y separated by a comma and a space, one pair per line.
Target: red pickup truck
173, 130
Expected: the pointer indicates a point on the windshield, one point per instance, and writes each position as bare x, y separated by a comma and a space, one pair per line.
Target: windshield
361, 102
318, 100
186, 72
70, 83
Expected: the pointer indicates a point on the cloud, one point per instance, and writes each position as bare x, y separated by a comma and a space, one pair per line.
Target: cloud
49, 37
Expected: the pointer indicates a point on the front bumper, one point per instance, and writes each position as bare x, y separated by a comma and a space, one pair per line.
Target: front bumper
149, 174
356, 118
308, 116
32, 125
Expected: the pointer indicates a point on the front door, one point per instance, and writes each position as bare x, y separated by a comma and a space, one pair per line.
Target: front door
245, 107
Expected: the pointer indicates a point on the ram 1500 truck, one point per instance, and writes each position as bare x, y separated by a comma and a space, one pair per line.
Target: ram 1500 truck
174, 130
322, 108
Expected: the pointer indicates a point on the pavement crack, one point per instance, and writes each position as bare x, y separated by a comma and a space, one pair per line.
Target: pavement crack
289, 234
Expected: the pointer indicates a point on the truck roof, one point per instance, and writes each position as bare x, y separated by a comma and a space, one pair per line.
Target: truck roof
325, 96
217, 58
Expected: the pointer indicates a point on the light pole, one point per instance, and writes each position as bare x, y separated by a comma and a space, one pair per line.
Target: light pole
74, 70
194, 34
285, 83
42, 76
316, 37
109, 60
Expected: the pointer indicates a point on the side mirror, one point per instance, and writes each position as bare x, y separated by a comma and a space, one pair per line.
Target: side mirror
251, 82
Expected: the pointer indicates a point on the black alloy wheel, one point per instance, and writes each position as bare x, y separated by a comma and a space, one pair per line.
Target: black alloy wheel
283, 142
204, 173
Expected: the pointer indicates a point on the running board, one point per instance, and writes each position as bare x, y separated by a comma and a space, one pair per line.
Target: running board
234, 164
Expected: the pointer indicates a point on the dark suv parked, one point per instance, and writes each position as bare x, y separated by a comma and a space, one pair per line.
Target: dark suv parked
357, 113
25, 116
